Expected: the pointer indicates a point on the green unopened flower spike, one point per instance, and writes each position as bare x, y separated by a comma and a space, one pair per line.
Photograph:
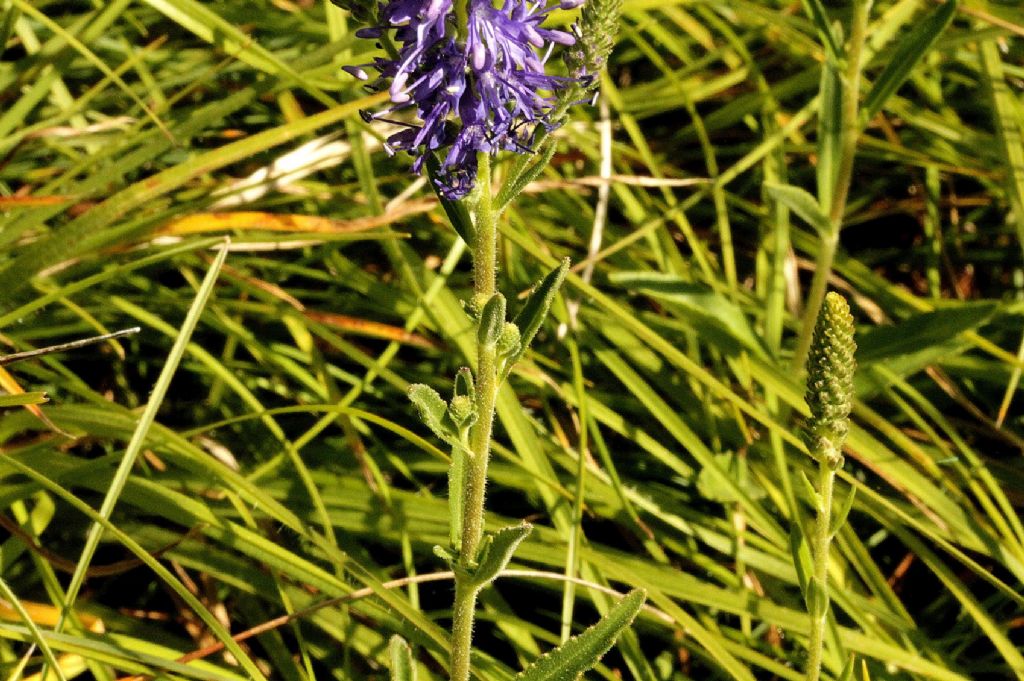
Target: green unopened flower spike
830, 369
595, 36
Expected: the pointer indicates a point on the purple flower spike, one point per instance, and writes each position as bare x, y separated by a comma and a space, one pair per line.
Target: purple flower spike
485, 93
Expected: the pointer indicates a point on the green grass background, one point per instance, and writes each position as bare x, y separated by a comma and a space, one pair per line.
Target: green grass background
655, 444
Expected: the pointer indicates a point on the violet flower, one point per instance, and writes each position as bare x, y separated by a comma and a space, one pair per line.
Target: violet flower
484, 92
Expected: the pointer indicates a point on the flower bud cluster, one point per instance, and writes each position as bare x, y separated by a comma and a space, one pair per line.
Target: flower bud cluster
830, 369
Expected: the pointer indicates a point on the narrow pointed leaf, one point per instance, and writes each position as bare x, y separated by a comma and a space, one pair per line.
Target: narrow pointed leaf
499, 552
840, 515
10, 15
581, 653
908, 53
402, 666
812, 494
22, 399
803, 204
922, 331
522, 175
536, 308
830, 131
801, 557
720, 320
816, 11
847, 673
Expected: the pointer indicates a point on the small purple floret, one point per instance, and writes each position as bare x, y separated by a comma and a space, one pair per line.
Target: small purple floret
485, 94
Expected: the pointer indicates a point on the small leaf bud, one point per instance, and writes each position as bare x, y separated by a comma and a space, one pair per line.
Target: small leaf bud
509, 342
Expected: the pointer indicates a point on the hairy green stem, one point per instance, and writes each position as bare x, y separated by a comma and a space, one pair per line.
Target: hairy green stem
851, 126
485, 265
820, 549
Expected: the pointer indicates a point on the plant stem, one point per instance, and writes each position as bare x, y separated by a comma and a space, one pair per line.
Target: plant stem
461, 10
844, 177
485, 255
485, 246
462, 628
820, 549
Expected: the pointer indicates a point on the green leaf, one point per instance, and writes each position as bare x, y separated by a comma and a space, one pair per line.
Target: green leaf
711, 486
812, 494
536, 309
10, 15
908, 53
432, 410
464, 385
492, 321
803, 204
23, 399
801, 557
402, 666
37, 638
717, 318
816, 598
1009, 126
921, 331
498, 552
816, 11
448, 555
578, 654
840, 515
457, 212
830, 132
462, 409
522, 175
847, 673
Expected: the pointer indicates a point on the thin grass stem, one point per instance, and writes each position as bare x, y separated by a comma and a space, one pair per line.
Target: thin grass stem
820, 545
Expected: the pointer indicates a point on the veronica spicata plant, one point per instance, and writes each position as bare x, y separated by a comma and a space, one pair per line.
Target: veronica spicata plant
473, 77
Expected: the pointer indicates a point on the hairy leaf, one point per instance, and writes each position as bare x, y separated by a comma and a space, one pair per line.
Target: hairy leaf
402, 666
432, 410
536, 309
523, 173
499, 551
577, 655
492, 321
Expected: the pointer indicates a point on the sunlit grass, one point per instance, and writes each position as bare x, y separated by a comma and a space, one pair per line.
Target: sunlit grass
285, 466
